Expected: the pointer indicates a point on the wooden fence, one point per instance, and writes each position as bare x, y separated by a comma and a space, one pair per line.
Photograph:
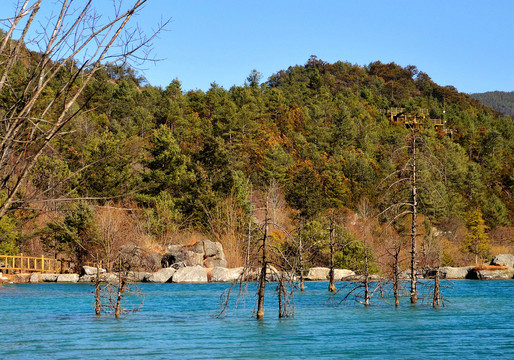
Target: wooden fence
25, 264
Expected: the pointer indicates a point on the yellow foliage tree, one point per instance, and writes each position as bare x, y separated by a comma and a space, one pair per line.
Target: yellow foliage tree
477, 241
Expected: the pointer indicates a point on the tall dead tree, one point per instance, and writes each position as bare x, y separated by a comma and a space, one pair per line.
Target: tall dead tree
414, 212
331, 282
264, 265
404, 189
72, 43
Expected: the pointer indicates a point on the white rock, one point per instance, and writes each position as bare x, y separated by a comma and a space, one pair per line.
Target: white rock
35, 277
87, 278
503, 260
222, 274
190, 274
49, 277
495, 274
68, 278
449, 272
109, 277
318, 273
91, 270
342, 273
161, 276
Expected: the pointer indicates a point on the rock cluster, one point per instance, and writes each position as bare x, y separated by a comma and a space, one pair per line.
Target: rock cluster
322, 273
205, 262
204, 253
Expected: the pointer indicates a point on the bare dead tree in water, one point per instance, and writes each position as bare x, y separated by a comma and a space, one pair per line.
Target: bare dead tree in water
118, 295
264, 266
73, 43
363, 289
407, 177
268, 264
331, 280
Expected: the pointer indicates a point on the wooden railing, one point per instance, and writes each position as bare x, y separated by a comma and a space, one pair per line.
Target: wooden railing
24, 264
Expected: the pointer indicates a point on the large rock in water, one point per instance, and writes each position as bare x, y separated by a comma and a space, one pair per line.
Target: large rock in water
91, 270
87, 278
222, 274
342, 273
49, 277
35, 277
68, 278
456, 273
494, 274
503, 260
190, 274
161, 276
318, 273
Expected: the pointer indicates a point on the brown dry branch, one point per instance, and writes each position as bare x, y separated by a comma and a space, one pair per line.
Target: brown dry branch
76, 41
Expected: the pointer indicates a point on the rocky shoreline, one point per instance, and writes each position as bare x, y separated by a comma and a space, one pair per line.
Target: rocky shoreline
205, 262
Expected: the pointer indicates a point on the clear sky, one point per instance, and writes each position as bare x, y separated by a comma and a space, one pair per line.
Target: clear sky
465, 43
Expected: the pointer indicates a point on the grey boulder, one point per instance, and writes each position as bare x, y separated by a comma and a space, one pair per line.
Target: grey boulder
456, 273
91, 270
35, 277
222, 274
68, 278
318, 273
49, 277
190, 274
161, 276
503, 260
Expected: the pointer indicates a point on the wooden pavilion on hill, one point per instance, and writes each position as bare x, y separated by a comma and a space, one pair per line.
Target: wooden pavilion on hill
418, 120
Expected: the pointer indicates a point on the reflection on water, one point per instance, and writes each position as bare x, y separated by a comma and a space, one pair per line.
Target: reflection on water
57, 321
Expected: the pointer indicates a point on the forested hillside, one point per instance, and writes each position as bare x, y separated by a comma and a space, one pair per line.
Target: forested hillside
499, 100
156, 166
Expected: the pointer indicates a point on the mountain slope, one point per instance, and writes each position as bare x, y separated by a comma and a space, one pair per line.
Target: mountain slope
499, 100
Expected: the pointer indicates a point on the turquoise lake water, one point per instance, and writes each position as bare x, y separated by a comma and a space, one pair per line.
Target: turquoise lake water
56, 321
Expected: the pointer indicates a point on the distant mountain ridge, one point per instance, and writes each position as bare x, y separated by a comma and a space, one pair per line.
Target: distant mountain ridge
501, 101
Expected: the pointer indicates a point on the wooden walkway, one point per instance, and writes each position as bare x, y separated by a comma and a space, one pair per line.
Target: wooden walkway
27, 264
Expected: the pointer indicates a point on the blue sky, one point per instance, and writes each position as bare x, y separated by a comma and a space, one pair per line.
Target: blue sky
465, 43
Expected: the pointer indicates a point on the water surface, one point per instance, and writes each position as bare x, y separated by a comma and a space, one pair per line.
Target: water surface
56, 321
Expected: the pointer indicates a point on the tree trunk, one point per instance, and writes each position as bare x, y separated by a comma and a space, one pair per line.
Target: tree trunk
98, 300
262, 278
300, 260
121, 289
332, 285
396, 278
366, 279
413, 266
437, 290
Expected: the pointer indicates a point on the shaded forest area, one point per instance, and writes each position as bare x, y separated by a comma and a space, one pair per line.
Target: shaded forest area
499, 100
155, 166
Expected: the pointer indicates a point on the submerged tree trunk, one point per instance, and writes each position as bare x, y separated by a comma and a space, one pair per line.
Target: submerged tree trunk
98, 300
396, 277
413, 266
281, 298
300, 260
437, 290
121, 289
332, 285
262, 277
366, 279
